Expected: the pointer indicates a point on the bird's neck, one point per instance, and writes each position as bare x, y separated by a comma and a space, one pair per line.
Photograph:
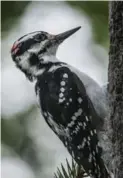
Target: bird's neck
48, 63
49, 59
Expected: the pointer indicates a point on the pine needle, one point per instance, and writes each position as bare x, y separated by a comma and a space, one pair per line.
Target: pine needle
72, 171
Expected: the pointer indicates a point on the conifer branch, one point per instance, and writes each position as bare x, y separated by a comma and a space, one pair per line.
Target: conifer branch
72, 171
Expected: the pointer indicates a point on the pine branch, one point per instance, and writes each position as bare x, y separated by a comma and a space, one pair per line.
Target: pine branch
72, 171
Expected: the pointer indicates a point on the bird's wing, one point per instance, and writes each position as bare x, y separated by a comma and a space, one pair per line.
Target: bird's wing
97, 94
70, 113
66, 95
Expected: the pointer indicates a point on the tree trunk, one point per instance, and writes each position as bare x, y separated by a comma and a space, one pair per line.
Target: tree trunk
115, 75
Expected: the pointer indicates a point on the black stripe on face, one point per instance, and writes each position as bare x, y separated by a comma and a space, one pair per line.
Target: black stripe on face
45, 48
25, 45
27, 41
33, 60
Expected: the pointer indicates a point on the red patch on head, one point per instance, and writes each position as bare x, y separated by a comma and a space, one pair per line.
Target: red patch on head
15, 48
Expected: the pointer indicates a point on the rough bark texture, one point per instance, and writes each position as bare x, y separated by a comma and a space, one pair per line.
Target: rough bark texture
115, 75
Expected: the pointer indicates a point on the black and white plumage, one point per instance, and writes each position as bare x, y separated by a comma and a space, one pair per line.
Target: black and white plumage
66, 98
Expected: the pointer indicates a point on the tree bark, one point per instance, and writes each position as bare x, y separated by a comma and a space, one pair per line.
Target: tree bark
115, 76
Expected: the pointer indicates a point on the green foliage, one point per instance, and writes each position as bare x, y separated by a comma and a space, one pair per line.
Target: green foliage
10, 11
97, 11
13, 132
72, 171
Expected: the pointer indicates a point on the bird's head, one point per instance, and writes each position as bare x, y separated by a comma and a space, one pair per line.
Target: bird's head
34, 51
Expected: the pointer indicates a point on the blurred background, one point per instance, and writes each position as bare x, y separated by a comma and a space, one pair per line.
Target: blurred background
29, 148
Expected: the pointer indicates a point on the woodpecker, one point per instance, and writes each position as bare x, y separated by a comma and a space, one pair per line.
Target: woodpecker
72, 103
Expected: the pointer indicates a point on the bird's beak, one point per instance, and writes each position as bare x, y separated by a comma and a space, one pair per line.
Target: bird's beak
62, 36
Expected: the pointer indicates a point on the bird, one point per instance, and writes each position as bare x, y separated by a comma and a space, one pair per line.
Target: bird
73, 104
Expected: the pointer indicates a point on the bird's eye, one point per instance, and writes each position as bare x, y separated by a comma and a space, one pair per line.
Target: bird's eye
40, 37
